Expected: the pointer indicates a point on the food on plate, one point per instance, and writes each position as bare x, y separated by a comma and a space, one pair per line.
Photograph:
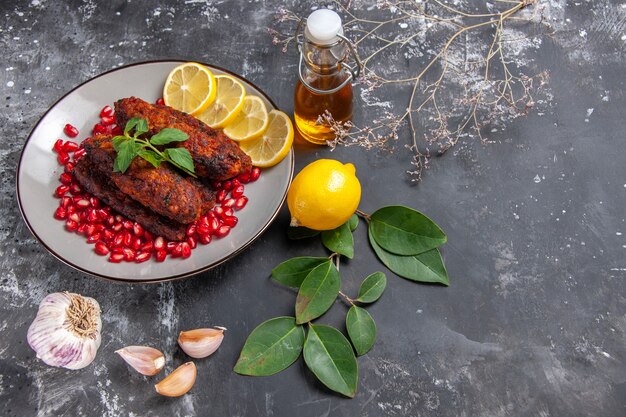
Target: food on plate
324, 195
251, 122
274, 145
215, 156
190, 87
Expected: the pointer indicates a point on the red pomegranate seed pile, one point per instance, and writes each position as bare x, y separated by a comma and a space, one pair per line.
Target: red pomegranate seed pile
121, 239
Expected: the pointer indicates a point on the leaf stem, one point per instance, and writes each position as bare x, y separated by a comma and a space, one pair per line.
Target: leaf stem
348, 299
366, 216
164, 156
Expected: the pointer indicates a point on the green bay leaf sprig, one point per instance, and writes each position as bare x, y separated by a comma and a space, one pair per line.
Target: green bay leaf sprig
404, 240
128, 146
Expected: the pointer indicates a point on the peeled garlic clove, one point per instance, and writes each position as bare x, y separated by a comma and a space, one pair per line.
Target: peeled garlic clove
144, 359
66, 331
200, 343
178, 382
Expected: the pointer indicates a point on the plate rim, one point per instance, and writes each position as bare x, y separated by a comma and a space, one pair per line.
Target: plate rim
149, 280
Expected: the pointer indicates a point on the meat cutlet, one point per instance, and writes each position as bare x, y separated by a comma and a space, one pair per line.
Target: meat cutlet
215, 156
162, 190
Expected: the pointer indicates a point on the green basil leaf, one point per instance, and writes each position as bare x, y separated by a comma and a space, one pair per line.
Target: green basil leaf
328, 354
293, 271
181, 157
353, 222
361, 329
317, 292
131, 124
296, 233
168, 135
271, 347
372, 288
127, 151
405, 231
154, 158
339, 240
425, 267
117, 141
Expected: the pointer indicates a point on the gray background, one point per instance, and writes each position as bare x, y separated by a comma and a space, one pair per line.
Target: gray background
532, 325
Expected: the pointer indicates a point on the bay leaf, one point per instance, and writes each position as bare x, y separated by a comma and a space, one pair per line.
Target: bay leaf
361, 329
317, 292
405, 231
372, 287
271, 347
353, 222
339, 240
328, 354
425, 267
293, 271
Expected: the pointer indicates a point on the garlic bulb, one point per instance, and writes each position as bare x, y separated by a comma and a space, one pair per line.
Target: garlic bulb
66, 331
200, 343
144, 359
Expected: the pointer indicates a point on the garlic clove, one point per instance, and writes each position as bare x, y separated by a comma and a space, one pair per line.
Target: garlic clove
178, 382
144, 359
200, 343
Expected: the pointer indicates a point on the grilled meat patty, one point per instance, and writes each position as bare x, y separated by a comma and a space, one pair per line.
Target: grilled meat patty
215, 156
92, 180
162, 190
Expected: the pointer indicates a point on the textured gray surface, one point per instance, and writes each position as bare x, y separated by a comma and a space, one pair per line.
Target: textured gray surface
533, 324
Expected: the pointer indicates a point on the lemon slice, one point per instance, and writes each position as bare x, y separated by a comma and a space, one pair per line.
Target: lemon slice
190, 87
274, 144
251, 122
228, 102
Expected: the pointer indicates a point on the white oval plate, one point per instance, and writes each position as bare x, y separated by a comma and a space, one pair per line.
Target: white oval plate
38, 173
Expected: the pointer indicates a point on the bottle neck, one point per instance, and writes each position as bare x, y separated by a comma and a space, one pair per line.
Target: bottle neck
324, 59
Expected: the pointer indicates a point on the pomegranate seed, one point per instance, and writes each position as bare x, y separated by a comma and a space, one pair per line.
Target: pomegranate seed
191, 241
128, 224
70, 131
58, 145
237, 191
81, 228
71, 225
83, 203
101, 248
137, 229
203, 230
185, 250
66, 201
255, 174
102, 214
228, 213
95, 202
107, 235
204, 239
70, 146
129, 254
118, 239
177, 250
116, 258
75, 189
92, 217
107, 111
231, 221
160, 102
116, 130
159, 243
229, 203
65, 178
99, 129
142, 257
222, 231
118, 250
204, 220
99, 227
210, 215
216, 185
236, 183
170, 246
90, 229
128, 239
218, 211
160, 255
60, 213
117, 227
63, 158
214, 224
147, 235
191, 230
107, 120
71, 208
61, 190
244, 178
137, 243
241, 202
221, 195
227, 185
147, 247
119, 218
79, 153
93, 238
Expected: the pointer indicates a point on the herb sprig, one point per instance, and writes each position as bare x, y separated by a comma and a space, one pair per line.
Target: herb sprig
130, 146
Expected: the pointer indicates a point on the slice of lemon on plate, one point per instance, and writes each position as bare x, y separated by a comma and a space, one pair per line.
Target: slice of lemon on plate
251, 122
190, 87
274, 144
228, 102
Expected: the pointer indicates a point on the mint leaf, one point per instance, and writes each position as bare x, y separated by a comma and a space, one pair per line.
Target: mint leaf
181, 158
154, 158
130, 125
168, 135
125, 154
117, 141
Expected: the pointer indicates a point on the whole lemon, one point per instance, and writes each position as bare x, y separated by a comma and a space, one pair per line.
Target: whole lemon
324, 195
